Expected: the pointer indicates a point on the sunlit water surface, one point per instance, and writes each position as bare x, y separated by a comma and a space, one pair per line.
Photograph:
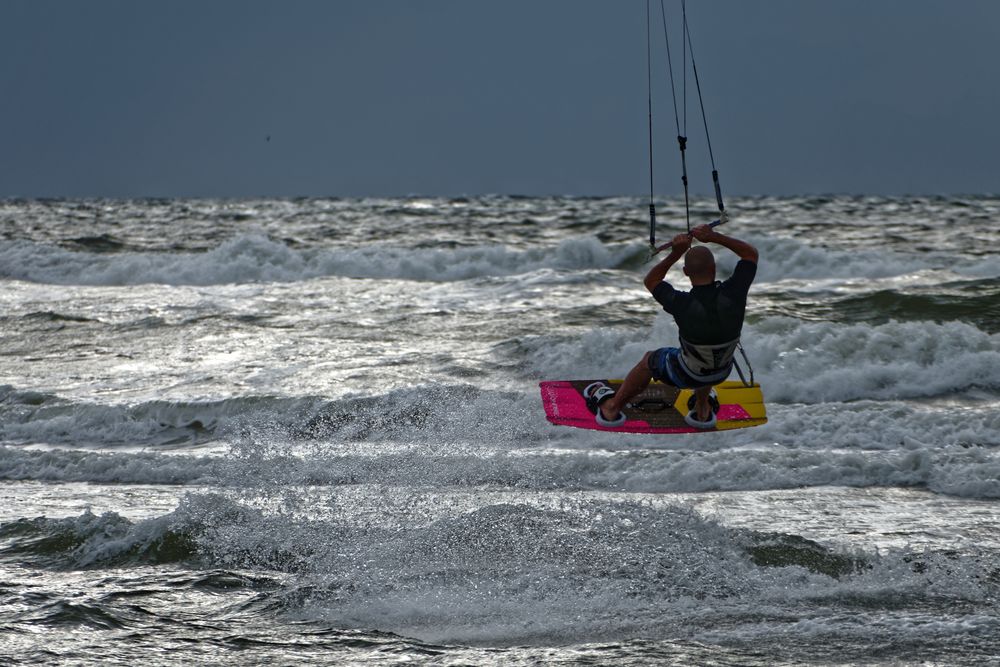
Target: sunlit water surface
309, 432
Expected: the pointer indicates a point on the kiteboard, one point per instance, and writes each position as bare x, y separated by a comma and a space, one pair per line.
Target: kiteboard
660, 408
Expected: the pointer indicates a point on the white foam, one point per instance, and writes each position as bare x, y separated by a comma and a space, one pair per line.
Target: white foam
30, 417
576, 570
545, 572
800, 446
67, 465
252, 258
812, 362
257, 258
788, 258
464, 436
785, 259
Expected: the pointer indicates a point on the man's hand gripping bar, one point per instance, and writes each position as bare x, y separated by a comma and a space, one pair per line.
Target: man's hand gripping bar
723, 219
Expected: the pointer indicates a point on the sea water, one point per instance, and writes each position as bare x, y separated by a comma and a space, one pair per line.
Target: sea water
309, 432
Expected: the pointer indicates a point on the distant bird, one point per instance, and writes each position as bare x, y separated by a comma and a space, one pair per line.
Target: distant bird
268, 137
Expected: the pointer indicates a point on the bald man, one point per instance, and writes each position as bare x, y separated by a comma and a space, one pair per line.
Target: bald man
709, 320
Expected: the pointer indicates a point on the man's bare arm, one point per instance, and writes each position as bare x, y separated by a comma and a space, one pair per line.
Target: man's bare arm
681, 243
743, 250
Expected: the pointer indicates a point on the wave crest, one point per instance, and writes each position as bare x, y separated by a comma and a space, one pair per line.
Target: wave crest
257, 258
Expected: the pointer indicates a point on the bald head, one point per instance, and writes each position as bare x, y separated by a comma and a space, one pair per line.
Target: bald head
699, 265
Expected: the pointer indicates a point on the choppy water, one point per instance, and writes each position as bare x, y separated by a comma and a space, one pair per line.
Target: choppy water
309, 432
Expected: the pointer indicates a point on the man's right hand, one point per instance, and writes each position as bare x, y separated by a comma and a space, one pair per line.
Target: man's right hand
678, 246
680, 243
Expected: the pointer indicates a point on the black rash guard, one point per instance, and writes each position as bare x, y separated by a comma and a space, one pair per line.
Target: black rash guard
710, 314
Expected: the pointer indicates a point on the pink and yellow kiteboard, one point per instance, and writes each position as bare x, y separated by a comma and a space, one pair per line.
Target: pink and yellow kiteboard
658, 409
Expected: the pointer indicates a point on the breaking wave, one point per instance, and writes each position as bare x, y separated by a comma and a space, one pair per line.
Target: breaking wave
808, 362
252, 258
507, 573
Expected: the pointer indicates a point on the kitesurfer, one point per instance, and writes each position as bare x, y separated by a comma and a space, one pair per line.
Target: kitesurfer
709, 321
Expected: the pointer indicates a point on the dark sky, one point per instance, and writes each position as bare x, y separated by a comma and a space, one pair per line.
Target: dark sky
447, 97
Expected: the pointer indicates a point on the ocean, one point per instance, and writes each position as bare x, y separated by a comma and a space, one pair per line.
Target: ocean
309, 432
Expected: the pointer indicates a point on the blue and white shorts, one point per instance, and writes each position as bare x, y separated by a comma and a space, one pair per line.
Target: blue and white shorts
665, 365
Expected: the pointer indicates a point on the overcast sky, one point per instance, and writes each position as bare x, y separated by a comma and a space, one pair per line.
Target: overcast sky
449, 97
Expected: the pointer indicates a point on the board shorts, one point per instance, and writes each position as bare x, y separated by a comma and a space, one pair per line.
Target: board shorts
665, 365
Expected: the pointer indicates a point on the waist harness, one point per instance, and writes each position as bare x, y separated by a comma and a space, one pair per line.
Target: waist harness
706, 362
